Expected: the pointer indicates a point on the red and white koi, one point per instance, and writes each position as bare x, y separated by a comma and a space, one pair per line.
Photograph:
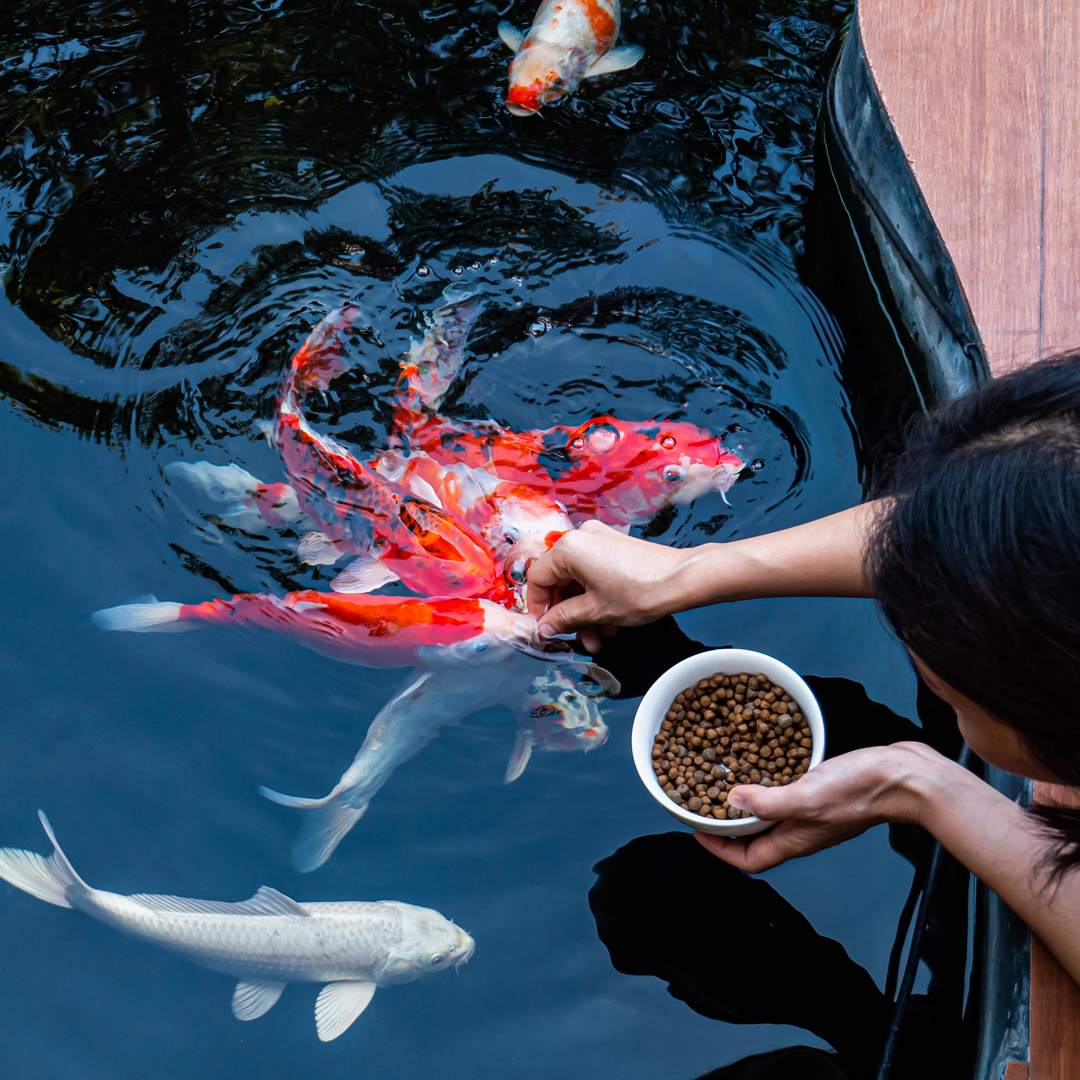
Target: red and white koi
621, 472
569, 40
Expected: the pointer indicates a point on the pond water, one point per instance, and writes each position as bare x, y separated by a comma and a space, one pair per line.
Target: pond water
186, 191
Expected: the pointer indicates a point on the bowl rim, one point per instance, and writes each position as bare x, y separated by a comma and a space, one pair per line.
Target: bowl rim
654, 705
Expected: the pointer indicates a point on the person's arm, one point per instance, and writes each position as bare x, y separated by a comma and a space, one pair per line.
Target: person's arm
996, 840
620, 580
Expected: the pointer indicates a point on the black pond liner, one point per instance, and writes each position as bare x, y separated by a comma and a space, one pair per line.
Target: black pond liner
926, 349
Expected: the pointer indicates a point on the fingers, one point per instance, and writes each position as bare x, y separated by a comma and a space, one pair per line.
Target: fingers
591, 639
769, 804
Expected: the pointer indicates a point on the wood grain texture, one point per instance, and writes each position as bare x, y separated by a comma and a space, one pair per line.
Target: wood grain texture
1054, 1052
1061, 228
1016, 1070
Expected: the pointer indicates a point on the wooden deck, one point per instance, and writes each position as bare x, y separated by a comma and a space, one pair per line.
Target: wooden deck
982, 96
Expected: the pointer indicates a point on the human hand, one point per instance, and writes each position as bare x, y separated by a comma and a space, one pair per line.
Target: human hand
833, 802
596, 578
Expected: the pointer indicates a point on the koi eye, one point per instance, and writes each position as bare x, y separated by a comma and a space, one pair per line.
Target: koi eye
511, 535
480, 646
668, 442
674, 474
538, 712
437, 959
602, 438
578, 443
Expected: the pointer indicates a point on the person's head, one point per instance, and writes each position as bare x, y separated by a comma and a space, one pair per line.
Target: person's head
975, 562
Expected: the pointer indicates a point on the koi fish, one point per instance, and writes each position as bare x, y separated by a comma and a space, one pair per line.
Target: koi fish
622, 473
400, 535
569, 40
516, 522
267, 941
553, 712
375, 631
618, 471
559, 717
246, 503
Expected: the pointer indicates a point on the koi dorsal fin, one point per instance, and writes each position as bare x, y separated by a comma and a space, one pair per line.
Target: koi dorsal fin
266, 901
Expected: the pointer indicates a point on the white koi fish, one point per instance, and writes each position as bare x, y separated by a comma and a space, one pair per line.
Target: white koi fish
555, 713
569, 40
266, 941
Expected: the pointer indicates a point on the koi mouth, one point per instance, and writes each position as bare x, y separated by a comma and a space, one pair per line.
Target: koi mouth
523, 100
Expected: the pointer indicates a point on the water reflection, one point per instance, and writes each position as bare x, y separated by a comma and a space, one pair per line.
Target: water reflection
733, 949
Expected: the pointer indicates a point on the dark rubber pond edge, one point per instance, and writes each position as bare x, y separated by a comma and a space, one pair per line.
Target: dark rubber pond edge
932, 329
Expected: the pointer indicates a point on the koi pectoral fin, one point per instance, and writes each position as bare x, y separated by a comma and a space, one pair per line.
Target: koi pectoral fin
363, 575
512, 38
523, 747
625, 56
251, 1000
338, 1005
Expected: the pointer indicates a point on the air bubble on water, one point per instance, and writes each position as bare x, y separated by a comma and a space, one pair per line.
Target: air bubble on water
457, 271
539, 328
517, 279
518, 302
423, 270
474, 266
757, 464
493, 261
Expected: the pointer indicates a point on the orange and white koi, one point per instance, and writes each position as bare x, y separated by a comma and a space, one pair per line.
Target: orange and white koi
569, 40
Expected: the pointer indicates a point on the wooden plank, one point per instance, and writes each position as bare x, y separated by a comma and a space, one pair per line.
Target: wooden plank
1054, 1052
962, 82
1061, 228
1016, 1070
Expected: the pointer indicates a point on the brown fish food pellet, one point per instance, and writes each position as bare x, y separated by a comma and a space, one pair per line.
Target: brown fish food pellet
725, 731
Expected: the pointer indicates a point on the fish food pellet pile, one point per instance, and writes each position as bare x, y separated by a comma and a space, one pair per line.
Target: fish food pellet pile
726, 731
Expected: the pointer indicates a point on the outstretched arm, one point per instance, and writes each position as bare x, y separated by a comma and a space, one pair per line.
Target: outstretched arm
994, 838
597, 577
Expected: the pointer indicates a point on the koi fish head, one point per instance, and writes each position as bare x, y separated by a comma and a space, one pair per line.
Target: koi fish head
562, 717
524, 524
429, 943
541, 75
652, 464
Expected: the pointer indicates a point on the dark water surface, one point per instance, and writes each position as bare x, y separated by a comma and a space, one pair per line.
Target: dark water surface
186, 188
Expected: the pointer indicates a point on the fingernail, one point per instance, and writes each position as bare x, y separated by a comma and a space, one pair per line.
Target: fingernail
545, 631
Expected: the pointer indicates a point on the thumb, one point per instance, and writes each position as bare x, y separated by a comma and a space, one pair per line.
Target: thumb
568, 615
769, 804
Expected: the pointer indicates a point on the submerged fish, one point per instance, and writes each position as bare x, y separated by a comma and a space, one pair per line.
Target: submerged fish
472, 654
554, 712
267, 941
569, 40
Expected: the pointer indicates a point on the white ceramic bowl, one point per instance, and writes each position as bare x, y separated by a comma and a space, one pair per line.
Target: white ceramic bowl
655, 704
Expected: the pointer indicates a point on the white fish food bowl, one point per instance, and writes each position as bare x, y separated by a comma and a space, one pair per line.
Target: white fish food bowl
656, 703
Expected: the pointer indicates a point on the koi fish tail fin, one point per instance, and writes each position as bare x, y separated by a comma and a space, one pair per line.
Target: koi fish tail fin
319, 360
325, 824
148, 615
50, 878
230, 486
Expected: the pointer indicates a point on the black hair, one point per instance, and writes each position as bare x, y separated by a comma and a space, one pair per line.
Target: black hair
975, 562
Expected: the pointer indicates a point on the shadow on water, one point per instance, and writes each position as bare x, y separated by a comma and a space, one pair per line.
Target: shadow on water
187, 187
